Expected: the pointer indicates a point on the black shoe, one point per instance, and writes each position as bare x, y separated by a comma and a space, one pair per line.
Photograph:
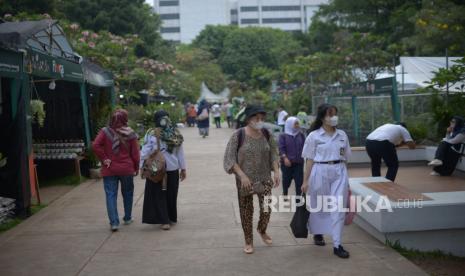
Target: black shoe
340, 252
319, 240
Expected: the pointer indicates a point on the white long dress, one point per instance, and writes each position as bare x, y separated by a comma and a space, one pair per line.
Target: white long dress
327, 180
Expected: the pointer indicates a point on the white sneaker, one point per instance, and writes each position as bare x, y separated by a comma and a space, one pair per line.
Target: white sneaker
435, 162
433, 173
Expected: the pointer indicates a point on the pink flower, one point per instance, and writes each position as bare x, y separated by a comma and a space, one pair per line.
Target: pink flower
174, 72
82, 39
46, 15
85, 33
94, 35
91, 44
74, 26
8, 15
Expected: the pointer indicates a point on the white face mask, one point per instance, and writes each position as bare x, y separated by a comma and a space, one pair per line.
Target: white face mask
332, 121
258, 125
164, 121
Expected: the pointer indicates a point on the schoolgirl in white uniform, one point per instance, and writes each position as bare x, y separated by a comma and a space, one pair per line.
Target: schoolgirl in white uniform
326, 151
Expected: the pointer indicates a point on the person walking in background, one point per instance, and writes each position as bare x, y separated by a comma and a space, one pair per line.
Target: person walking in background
450, 149
203, 118
326, 151
216, 111
160, 199
303, 119
282, 116
191, 115
291, 143
251, 154
118, 149
229, 113
382, 143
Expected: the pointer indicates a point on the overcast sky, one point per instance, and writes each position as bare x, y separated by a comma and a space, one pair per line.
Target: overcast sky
150, 2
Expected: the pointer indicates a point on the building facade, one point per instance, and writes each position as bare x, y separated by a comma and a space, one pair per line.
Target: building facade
183, 20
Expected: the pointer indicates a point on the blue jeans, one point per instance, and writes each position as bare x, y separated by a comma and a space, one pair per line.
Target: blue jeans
110, 184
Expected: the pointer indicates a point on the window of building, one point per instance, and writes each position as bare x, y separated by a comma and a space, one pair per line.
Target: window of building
280, 20
249, 9
234, 11
169, 3
281, 8
170, 30
249, 21
168, 16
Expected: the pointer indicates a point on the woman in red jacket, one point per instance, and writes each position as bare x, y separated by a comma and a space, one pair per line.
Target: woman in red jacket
118, 149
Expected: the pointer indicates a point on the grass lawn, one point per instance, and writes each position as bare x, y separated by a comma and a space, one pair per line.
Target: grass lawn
435, 263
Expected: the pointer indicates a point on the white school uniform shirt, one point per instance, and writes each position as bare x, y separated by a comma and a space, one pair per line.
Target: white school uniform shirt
174, 160
281, 117
321, 147
393, 133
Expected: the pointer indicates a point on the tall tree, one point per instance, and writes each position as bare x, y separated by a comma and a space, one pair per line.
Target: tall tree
248, 48
119, 17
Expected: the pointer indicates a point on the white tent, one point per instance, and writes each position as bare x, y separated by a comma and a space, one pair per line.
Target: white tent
212, 97
421, 69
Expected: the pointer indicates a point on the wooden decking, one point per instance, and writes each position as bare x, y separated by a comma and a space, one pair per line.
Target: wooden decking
395, 192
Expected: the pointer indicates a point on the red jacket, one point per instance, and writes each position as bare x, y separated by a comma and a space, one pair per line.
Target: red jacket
125, 163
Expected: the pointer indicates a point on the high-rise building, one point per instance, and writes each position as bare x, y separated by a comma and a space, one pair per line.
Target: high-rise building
182, 20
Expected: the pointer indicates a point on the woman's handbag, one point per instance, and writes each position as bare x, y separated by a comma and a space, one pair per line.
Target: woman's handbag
203, 115
154, 167
300, 221
257, 188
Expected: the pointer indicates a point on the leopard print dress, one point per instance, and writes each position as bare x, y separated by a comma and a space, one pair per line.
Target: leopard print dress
255, 158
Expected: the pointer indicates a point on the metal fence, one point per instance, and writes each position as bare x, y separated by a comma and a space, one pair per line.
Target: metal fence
373, 111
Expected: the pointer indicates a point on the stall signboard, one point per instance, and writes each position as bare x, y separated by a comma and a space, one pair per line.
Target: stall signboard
10, 63
42, 65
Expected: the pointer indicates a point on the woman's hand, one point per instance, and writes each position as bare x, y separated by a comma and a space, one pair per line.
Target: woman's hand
245, 182
142, 174
107, 162
183, 175
276, 179
287, 162
304, 188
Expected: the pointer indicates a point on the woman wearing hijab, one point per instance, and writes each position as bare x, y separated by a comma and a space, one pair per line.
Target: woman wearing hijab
291, 143
326, 151
449, 150
203, 124
117, 148
160, 199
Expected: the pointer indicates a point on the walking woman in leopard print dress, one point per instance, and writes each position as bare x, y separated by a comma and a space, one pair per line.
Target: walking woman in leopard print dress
251, 155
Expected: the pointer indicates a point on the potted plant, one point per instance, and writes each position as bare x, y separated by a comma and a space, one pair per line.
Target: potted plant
93, 164
38, 112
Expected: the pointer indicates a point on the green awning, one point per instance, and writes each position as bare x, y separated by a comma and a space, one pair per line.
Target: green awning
10, 63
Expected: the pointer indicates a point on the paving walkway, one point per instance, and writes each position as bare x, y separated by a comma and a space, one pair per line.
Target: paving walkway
71, 236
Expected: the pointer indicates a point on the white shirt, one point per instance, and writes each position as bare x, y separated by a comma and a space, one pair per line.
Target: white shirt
321, 147
216, 110
281, 117
393, 133
174, 161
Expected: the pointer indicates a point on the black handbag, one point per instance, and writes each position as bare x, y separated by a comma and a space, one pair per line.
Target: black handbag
300, 221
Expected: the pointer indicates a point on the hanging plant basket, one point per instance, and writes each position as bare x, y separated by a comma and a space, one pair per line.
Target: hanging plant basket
38, 112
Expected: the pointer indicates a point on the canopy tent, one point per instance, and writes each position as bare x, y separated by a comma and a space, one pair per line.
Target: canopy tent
208, 95
96, 75
421, 69
44, 36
